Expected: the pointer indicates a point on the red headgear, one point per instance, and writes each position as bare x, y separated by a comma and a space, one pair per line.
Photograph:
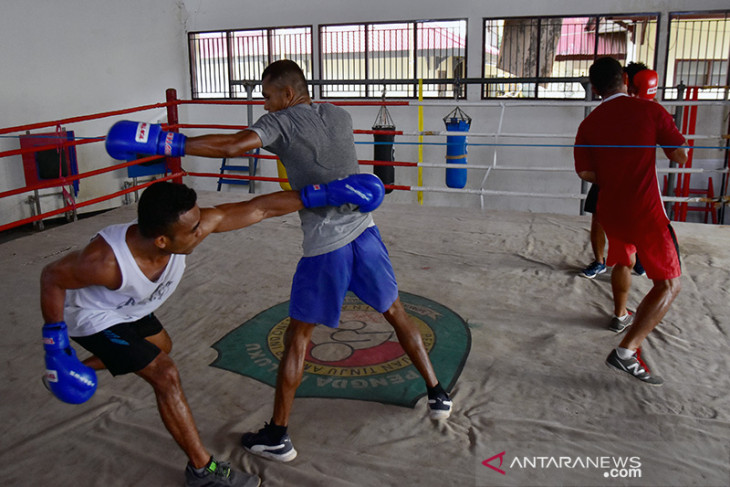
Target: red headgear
645, 82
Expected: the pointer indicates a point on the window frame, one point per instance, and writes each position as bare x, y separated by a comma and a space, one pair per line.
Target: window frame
598, 19
229, 35
702, 93
371, 88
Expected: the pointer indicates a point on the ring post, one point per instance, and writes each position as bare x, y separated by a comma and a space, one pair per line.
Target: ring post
173, 163
419, 194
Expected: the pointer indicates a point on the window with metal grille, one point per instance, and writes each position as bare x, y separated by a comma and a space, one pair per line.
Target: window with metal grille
222, 63
549, 57
697, 55
387, 59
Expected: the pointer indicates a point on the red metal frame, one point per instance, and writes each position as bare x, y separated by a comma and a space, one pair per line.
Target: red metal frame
689, 122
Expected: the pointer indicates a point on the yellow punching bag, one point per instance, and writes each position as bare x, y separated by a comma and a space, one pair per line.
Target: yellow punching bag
281, 171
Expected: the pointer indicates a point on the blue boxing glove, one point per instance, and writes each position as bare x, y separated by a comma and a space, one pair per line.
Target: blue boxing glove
364, 190
66, 377
126, 139
372, 183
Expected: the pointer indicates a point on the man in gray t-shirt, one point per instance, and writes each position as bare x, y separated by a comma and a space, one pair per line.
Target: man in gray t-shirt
343, 250
315, 144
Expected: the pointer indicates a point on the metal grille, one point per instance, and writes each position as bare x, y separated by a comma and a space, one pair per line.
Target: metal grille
390, 55
698, 54
549, 57
209, 65
250, 56
222, 62
441, 54
342, 58
364, 54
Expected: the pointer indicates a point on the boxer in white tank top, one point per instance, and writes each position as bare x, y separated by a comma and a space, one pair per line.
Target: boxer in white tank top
108, 290
92, 309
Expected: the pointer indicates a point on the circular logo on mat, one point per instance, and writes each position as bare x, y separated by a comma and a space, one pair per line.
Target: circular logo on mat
361, 359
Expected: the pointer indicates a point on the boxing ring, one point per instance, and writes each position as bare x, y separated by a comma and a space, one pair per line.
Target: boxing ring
172, 168
534, 402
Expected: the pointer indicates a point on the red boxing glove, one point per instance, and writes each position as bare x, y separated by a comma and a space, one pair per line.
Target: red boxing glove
645, 82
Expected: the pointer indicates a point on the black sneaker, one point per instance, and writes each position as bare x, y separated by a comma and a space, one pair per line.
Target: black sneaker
633, 366
219, 474
266, 445
638, 268
618, 325
439, 407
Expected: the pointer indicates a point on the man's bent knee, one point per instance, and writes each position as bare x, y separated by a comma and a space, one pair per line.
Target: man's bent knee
674, 286
298, 329
670, 286
161, 372
395, 309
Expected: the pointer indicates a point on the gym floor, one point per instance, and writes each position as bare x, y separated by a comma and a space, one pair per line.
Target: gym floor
534, 404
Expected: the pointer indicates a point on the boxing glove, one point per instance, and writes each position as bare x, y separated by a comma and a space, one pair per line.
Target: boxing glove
66, 377
364, 190
126, 139
372, 183
645, 82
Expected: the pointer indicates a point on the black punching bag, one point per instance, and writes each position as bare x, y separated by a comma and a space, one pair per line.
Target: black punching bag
383, 147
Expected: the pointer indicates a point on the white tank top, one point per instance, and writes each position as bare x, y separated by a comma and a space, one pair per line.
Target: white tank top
92, 309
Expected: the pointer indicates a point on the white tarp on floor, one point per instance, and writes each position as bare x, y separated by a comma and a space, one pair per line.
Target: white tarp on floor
534, 398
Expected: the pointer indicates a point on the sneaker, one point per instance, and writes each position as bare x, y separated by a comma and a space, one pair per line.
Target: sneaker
265, 445
219, 474
594, 269
439, 407
618, 325
633, 366
639, 269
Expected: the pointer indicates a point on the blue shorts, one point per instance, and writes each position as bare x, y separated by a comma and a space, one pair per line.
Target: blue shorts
321, 282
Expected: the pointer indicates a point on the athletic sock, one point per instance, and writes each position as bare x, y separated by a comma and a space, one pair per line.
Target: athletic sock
435, 391
624, 317
201, 471
625, 353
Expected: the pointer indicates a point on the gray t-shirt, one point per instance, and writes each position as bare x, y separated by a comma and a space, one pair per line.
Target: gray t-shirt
316, 145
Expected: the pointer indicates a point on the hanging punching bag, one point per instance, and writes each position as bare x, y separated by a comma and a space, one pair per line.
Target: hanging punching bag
383, 148
384, 151
456, 121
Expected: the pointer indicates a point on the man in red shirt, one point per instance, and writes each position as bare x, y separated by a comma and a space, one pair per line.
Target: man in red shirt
615, 148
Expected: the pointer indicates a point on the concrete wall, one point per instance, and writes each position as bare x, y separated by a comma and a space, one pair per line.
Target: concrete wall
78, 57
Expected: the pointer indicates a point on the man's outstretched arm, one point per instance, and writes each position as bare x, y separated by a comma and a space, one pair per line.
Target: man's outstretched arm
364, 190
222, 145
127, 138
232, 216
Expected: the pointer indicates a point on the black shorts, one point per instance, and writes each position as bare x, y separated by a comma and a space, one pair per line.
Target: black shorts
591, 200
123, 347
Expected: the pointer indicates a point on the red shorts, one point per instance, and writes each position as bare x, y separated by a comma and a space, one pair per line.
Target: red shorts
657, 250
